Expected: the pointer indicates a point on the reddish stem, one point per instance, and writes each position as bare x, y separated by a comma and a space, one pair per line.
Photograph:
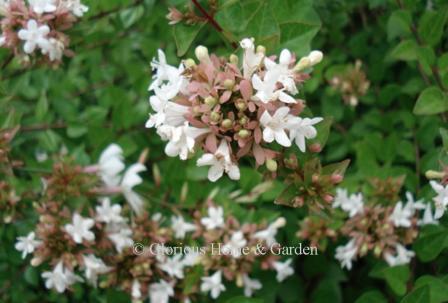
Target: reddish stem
211, 20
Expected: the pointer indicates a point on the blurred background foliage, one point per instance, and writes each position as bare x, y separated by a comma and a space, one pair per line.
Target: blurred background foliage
384, 82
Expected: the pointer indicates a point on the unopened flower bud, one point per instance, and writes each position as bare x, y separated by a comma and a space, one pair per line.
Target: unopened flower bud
315, 57
261, 49
239, 280
244, 133
280, 222
243, 120
156, 174
184, 192
189, 63
336, 178
229, 84
215, 117
7, 219
226, 123
315, 148
271, 165
432, 174
201, 53
303, 63
233, 59
210, 101
196, 110
241, 105
377, 251
364, 249
328, 198
36, 261
315, 178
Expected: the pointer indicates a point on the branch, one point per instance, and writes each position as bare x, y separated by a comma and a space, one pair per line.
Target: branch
215, 24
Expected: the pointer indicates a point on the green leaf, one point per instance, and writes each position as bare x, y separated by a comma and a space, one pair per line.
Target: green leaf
431, 25
438, 289
399, 24
431, 101
396, 277
323, 131
420, 295
184, 36
131, 15
444, 134
431, 241
405, 51
373, 296
41, 107
76, 131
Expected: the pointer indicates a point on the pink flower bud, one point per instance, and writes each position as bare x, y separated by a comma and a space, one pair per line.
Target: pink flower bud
336, 178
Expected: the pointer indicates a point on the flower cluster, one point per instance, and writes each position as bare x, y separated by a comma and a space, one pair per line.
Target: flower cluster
39, 25
109, 246
352, 83
231, 110
383, 230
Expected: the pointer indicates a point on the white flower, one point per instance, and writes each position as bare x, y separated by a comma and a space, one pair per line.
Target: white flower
403, 256
27, 244
166, 112
54, 49
274, 127
34, 36
303, 128
76, 7
234, 246
215, 218
181, 227
93, 267
60, 278
181, 139
160, 292
428, 218
192, 257
42, 6
111, 164
107, 213
346, 254
173, 266
267, 89
268, 234
284, 269
251, 60
285, 75
352, 204
220, 162
441, 200
402, 216
168, 80
250, 285
213, 284
136, 292
120, 235
130, 180
2, 40
80, 229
